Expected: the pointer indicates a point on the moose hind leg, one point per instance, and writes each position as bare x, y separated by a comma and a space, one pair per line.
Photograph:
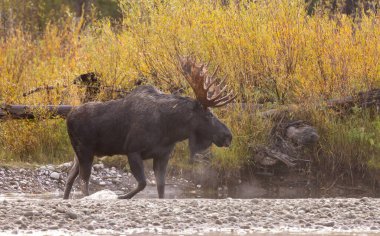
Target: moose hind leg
137, 169
74, 171
85, 164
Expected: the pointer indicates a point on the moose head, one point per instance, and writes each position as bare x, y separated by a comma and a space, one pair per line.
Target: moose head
209, 93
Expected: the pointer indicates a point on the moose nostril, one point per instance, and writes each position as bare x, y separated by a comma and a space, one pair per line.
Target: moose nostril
227, 140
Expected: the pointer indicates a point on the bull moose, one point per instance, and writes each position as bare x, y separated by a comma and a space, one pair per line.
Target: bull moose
147, 124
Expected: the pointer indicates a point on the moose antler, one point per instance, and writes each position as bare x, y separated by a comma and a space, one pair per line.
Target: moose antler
204, 86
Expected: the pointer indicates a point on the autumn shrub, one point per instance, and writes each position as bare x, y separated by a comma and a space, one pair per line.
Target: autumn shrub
272, 52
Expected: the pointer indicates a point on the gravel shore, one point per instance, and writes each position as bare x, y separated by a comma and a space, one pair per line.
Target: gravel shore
107, 215
24, 211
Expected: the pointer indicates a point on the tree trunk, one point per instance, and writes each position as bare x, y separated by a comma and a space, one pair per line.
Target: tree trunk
83, 7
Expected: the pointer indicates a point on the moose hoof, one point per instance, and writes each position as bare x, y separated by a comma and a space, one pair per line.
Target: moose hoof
125, 196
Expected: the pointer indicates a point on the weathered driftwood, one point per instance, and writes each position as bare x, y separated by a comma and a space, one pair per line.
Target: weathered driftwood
31, 112
92, 82
287, 140
367, 99
269, 157
42, 88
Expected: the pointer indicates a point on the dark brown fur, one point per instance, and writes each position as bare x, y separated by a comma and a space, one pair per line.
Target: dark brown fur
145, 124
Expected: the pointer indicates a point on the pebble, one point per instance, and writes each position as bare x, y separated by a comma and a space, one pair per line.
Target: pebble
29, 213
55, 175
98, 167
71, 215
290, 216
328, 224
233, 218
218, 222
53, 227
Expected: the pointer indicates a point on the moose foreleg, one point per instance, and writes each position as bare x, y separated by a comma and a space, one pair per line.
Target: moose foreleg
137, 169
159, 167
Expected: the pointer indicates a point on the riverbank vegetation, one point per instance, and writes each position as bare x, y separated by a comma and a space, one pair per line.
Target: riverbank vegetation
274, 53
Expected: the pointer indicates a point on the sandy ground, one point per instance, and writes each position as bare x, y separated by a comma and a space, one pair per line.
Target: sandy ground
102, 213
30, 203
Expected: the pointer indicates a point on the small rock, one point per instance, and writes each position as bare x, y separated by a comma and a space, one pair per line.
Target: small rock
60, 209
19, 222
188, 211
65, 166
233, 218
98, 167
71, 215
29, 213
328, 224
218, 222
350, 216
53, 227
50, 167
364, 199
290, 216
255, 201
55, 175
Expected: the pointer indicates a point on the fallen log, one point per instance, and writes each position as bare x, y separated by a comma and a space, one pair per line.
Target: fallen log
366, 99
30, 112
42, 88
92, 82
269, 157
287, 140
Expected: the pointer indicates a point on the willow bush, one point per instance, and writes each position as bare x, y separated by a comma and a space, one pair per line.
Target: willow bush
269, 50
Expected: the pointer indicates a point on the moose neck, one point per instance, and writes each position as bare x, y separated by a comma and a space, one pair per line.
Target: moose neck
177, 120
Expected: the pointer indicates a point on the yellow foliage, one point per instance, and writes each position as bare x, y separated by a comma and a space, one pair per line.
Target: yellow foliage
267, 49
